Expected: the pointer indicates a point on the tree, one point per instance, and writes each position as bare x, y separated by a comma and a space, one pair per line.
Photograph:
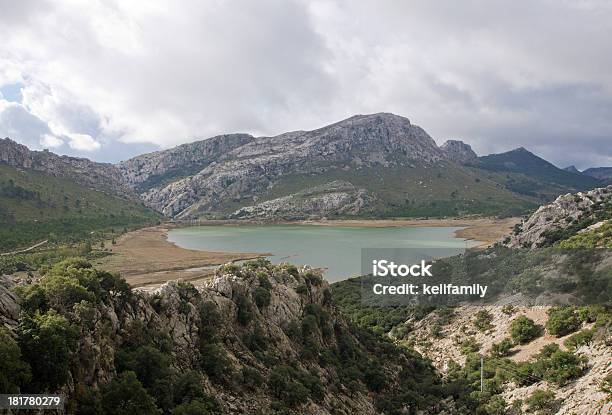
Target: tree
523, 329
562, 321
14, 373
195, 408
47, 341
125, 395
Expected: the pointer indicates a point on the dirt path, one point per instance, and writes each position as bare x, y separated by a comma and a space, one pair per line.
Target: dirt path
145, 257
20, 251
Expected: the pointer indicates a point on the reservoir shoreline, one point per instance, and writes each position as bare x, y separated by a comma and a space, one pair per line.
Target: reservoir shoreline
147, 259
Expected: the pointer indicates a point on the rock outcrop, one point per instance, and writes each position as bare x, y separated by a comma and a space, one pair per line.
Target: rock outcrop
103, 177
459, 151
569, 210
250, 166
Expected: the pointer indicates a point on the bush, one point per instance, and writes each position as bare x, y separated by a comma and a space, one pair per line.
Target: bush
562, 321
541, 401
262, 297
581, 338
244, 309
483, 320
189, 387
14, 373
148, 363
523, 330
215, 363
502, 348
286, 387
251, 378
126, 396
195, 408
469, 345
508, 309
557, 366
47, 342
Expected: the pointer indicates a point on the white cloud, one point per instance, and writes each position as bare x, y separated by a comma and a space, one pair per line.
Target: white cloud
495, 73
83, 142
51, 141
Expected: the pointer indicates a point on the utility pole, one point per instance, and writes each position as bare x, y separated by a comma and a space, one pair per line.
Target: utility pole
481, 374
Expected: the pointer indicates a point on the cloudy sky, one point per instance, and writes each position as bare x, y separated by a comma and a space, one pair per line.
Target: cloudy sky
111, 79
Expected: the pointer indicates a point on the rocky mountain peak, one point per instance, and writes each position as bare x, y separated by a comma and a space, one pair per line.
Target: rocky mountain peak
457, 150
572, 169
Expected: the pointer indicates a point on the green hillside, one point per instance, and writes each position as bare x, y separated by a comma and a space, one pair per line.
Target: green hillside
433, 191
35, 206
523, 172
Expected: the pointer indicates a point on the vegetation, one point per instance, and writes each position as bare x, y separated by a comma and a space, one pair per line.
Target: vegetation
35, 207
523, 330
562, 321
541, 402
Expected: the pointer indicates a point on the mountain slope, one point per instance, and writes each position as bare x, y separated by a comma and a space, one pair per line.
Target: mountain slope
390, 166
601, 173
36, 206
103, 177
523, 172
257, 339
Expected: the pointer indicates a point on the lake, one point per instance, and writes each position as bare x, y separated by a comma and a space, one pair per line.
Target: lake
336, 248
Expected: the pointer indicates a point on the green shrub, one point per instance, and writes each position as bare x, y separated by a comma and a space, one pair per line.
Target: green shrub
251, 378
523, 330
469, 345
125, 395
14, 372
562, 321
541, 401
148, 363
581, 338
188, 387
502, 348
261, 297
195, 408
483, 320
557, 366
215, 363
508, 309
286, 387
47, 342
244, 309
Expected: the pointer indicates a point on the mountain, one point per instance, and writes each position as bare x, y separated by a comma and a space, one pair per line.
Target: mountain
572, 169
102, 177
366, 165
36, 206
459, 151
601, 173
523, 172
377, 165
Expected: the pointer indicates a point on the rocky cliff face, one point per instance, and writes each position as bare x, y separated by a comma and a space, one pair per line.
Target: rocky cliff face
266, 332
250, 166
459, 151
99, 176
568, 212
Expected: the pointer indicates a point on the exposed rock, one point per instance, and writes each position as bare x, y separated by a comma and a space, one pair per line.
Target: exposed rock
572, 169
459, 151
334, 198
565, 211
254, 165
9, 307
103, 177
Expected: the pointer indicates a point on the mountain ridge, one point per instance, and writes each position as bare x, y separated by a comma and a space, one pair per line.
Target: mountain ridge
387, 166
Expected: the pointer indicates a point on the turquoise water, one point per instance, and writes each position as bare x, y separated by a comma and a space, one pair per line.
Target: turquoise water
338, 249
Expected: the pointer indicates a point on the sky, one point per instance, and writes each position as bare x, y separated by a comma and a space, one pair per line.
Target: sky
109, 80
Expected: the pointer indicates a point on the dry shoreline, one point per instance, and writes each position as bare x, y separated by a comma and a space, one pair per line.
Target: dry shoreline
146, 258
